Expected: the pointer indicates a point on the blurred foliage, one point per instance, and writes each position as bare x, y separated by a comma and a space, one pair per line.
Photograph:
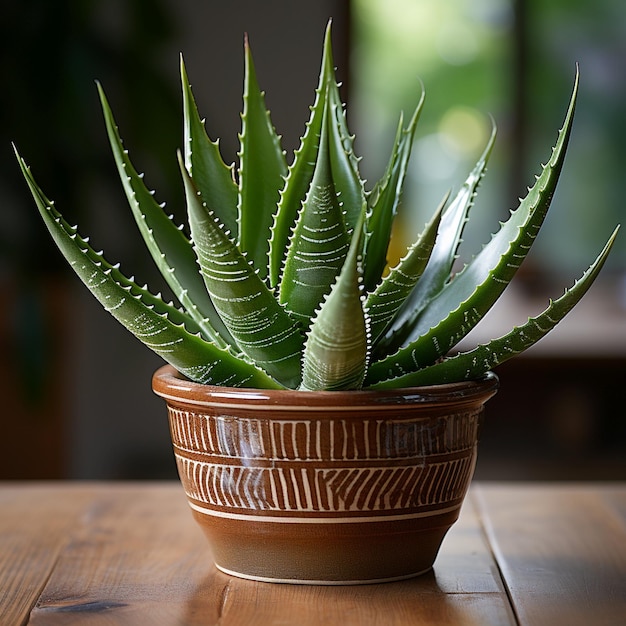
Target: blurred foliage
514, 60
561, 33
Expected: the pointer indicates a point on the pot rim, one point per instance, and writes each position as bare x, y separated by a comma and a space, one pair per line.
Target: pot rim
171, 385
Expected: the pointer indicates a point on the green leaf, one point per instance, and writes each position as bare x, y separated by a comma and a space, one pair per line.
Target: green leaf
474, 363
160, 326
168, 245
384, 200
262, 170
386, 299
336, 350
442, 258
213, 178
300, 173
319, 244
261, 327
460, 305
343, 161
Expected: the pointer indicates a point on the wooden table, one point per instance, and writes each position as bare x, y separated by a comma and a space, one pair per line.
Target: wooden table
130, 553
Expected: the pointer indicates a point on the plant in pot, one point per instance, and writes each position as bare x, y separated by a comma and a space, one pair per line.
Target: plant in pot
324, 428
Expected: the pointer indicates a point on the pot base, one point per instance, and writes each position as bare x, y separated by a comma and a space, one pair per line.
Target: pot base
329, 551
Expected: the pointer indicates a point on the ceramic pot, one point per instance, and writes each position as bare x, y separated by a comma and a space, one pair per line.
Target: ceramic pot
324, 487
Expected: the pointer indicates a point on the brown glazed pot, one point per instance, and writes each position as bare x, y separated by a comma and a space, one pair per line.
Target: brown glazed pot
324, 487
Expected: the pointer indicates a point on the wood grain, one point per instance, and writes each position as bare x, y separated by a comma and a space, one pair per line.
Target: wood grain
131, 554
561, 550
134, 559
34, 527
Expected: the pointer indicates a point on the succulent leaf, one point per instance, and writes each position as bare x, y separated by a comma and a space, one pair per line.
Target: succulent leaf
440, 263
262, 169
336, 350
300, 172
213, 178
384, 200
261, 327
343, 161
463, 301
474, 363
386, 299
166, 330
320, 241
168, 245
284, 283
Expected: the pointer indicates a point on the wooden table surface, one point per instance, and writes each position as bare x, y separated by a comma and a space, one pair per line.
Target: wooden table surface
130, 553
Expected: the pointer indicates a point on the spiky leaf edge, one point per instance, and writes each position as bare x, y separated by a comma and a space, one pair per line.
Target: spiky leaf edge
263, 330
300, 172
343, 161
384, 199
386, 299
262, 170
337, 346
442, 258
320, 239
214, 179
476, 362
463, 301
169, 247
160, 326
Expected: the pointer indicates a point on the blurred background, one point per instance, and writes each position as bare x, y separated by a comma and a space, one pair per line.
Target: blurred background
76, 396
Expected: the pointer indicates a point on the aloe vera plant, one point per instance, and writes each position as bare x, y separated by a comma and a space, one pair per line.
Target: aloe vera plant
282, 278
